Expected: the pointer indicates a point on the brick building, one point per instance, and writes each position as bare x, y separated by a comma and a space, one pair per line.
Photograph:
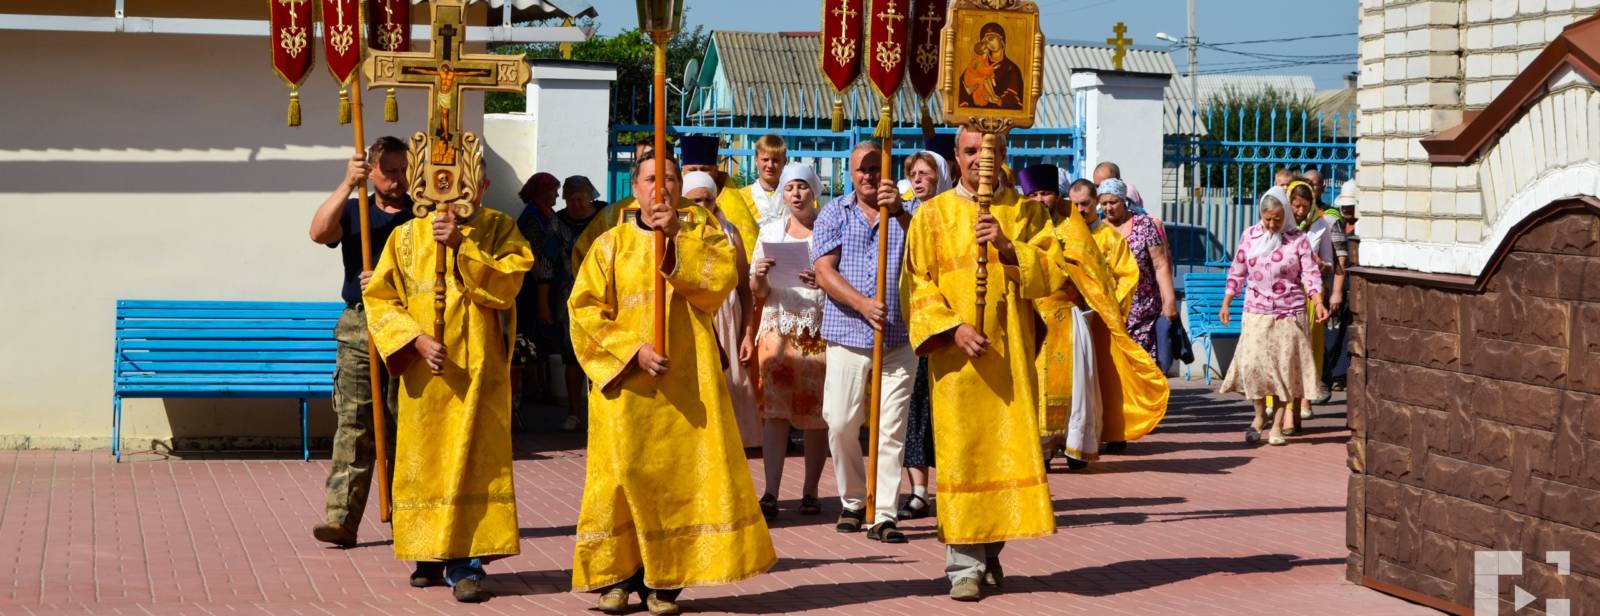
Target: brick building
1475, 376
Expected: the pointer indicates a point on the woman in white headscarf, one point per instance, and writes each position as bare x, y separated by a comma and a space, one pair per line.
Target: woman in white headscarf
784, 344
700, 188
929, 174
1274, 268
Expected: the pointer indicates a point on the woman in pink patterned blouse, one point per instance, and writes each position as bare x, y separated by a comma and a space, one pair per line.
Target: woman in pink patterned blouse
1274, 356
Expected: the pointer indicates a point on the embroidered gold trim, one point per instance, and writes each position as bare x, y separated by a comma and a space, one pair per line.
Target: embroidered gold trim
696, 530
991, 486
458, 501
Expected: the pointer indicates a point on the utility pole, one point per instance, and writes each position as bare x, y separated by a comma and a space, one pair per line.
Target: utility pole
1193, 41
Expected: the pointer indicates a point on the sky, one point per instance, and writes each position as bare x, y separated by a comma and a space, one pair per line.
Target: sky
1221, 22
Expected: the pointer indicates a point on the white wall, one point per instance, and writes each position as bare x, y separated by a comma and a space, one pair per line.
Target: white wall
155, 166
1122, 121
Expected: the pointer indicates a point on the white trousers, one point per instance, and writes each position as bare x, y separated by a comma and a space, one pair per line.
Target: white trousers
844, 407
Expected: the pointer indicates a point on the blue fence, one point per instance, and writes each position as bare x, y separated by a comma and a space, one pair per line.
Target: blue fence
808, 136
1236, 160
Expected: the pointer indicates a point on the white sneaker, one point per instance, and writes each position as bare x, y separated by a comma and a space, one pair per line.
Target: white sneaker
571, 424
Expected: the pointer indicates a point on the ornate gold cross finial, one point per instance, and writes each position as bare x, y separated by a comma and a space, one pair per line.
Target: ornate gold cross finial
1121, 43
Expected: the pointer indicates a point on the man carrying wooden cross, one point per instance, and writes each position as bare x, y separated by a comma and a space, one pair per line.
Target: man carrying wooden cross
337, 224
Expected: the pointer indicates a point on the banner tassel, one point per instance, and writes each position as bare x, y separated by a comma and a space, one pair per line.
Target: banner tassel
885, 130
344, 105
391, 109
838, 113
927, 121
294, 108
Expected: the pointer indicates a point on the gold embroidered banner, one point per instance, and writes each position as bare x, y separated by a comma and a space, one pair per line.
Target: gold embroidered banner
341, 43
840, 59
292, 54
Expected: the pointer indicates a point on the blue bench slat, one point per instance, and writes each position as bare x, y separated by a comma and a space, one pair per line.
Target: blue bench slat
226, 305
133, 325
230, 334
309, 356
225, 391
230, 345
219, 367
213, 313
325, 378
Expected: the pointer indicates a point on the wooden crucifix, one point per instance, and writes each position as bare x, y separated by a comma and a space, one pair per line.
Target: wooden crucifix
445, 167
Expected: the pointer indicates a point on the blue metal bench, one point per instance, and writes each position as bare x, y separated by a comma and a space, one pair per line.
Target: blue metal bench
209, 349
1204, 292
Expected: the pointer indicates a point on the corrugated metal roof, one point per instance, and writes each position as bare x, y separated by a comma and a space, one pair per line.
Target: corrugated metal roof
776, 74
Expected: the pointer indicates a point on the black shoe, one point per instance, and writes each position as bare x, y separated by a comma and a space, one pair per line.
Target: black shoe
469, 591
769, 507
1115, 447
809, 505
907, 512
886, 532
1074, 464
850, 521
427, 575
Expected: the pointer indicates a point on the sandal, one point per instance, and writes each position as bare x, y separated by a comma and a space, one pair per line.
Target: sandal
769, 507
1277, 440
850, 521
886, 532
908, 512
809, 505
1252, 436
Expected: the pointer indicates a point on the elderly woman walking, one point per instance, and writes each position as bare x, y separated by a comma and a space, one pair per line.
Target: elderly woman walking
929, 174
1274, 268
784, 347
1153, 297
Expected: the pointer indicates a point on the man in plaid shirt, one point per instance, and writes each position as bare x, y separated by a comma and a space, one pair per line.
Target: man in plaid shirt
844, 251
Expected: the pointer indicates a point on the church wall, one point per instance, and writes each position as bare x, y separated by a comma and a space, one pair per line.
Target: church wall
155, 166
1476, 419
1424, 63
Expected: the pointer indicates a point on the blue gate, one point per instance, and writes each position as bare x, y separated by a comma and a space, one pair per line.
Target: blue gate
1236, 163
810, 140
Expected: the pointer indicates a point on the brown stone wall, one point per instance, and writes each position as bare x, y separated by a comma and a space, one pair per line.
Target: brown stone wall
1476, 419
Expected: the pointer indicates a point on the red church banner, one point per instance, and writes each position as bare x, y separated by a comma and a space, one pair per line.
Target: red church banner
341, 42
292, 54
888, 32
389, 25
841, 46
927, 21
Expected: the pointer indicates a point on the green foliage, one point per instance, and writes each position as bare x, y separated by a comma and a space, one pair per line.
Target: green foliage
1246, 125
634, 55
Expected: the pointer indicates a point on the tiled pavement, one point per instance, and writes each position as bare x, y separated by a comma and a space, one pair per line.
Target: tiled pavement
1188, 521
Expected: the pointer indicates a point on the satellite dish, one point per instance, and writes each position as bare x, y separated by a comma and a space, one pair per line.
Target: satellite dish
691, 73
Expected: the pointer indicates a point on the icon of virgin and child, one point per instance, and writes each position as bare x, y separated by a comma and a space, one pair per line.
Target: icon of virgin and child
991, 80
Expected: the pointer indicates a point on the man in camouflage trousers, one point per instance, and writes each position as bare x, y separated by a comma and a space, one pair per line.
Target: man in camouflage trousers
337, 224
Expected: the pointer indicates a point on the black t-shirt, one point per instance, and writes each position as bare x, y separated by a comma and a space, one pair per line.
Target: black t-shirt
349, 242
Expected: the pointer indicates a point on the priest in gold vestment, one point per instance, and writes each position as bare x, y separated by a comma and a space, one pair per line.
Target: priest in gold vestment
986, 425
667, 501
1084, 389
454, 508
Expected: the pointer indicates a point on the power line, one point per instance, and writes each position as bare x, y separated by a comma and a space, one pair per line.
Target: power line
1288, 40
1076, 9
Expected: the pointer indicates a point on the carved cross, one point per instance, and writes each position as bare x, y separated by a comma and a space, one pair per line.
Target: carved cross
1121, 43
445, 72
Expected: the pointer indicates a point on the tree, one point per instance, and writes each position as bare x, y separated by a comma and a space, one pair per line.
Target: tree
634, 55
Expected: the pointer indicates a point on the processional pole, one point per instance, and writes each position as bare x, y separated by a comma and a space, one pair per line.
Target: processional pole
662, 19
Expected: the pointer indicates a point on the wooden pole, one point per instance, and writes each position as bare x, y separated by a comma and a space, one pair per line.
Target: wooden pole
985, 197
875, 391
660, 39
374, 363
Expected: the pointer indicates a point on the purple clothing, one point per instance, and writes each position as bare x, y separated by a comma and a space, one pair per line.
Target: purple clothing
842, 228
1279, 283
1146, 308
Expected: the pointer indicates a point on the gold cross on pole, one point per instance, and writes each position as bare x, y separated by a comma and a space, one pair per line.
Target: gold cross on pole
445, 72
1121, 44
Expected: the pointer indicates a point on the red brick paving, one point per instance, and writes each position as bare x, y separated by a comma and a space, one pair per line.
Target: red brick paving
1188, 521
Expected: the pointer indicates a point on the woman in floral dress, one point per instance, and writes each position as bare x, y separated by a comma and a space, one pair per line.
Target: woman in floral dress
785, 349
1153, 297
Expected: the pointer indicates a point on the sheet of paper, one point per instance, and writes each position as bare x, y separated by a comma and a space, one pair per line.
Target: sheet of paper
789, 259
